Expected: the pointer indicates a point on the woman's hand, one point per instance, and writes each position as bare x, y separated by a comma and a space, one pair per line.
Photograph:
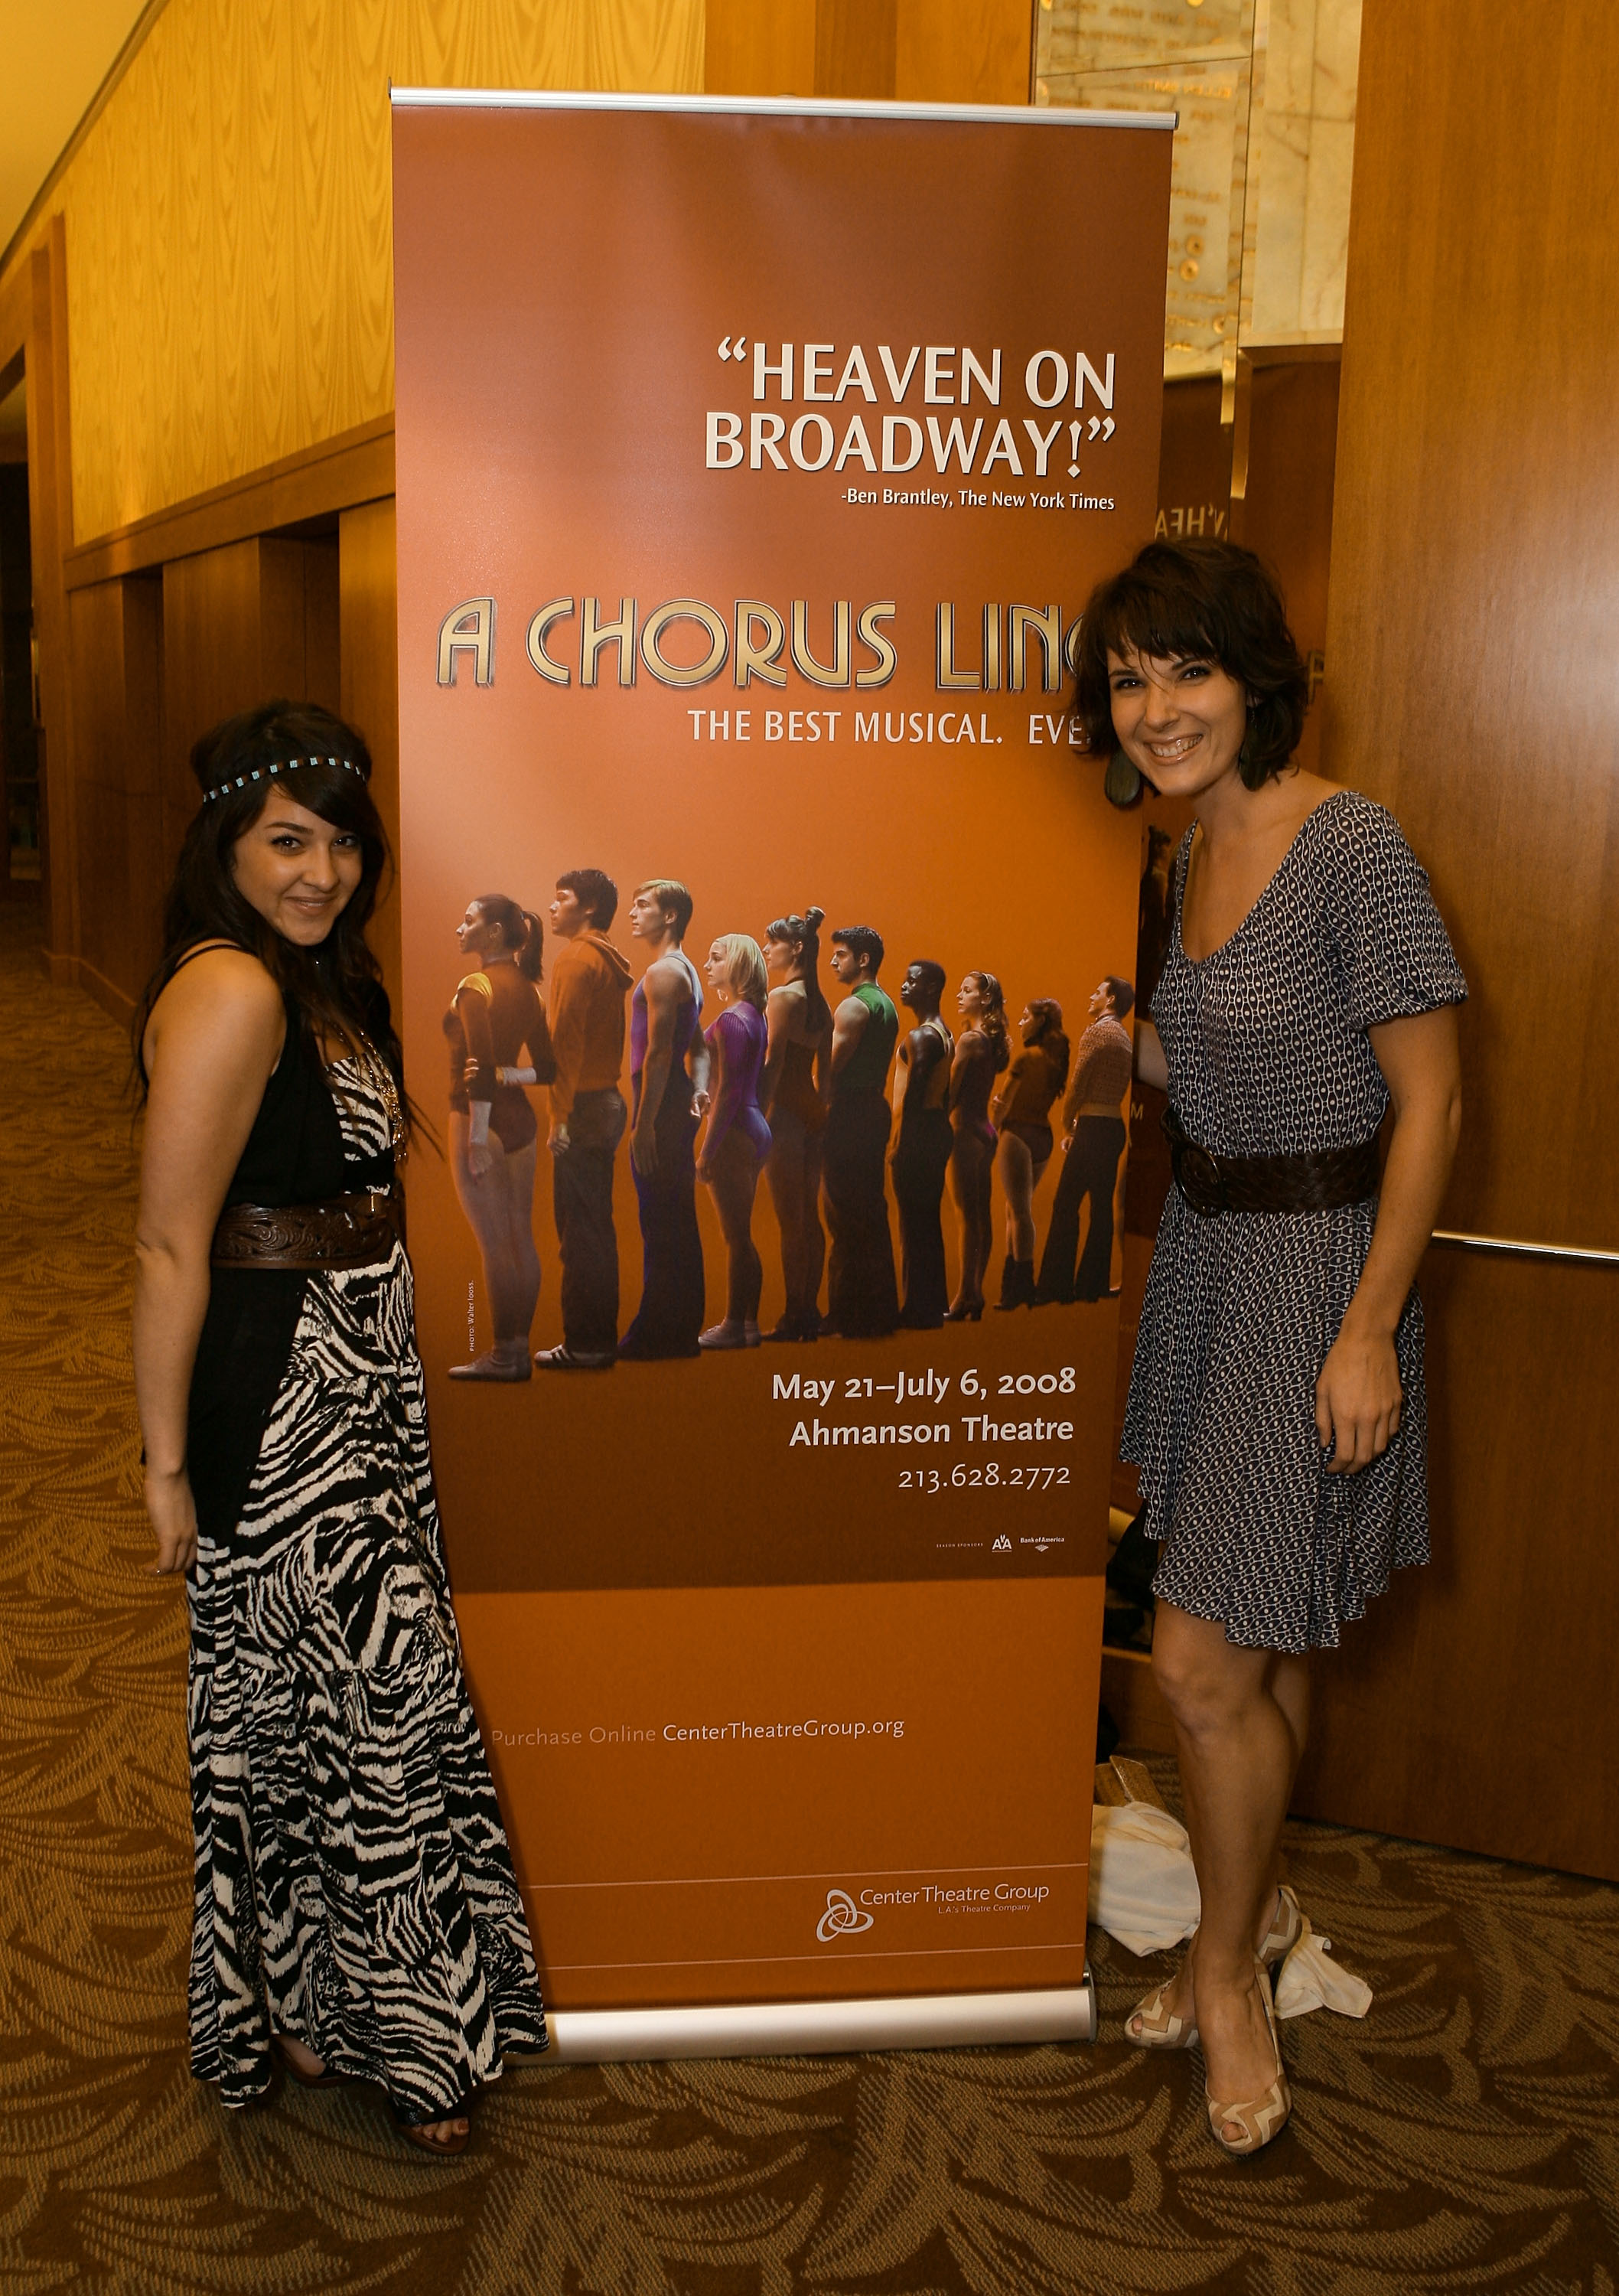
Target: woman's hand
1357, 1400
481, 1155
173, 1512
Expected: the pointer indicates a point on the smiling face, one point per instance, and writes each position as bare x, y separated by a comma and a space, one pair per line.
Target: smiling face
297, 871
1181, 723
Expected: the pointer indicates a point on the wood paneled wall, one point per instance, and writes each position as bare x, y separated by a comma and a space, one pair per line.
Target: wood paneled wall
964, 52
117, 630
240, 626
1289, 438
1470, 686
370, 688
918, 51
229, 218
754, 50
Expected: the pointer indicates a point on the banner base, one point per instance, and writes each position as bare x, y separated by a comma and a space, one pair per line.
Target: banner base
776, 2028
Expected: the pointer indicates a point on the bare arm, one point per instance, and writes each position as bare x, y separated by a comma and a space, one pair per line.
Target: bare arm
1357, 1397
473, 1006
778, 1035
849, 1027
664, 984
213, 1039
1150, 1064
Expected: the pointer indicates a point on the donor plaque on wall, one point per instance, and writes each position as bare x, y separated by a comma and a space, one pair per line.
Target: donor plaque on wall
768, 936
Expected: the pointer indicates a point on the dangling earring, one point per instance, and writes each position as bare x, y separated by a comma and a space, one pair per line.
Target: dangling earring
1122, 782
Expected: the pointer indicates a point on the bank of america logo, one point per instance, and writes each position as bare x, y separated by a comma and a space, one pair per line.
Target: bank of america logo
842, 1917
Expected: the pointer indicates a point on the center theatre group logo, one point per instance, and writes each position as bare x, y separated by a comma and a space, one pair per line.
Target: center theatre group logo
842, 1918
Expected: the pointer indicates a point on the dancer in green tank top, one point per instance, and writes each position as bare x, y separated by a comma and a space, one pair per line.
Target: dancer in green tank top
862, 1298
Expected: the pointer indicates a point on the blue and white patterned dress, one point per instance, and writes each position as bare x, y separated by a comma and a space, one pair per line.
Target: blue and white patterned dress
1268, 1053
354, 1885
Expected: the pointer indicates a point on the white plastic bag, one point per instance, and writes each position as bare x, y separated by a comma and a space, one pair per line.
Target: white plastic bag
1143, 1889
1144, 1892
1308, 1981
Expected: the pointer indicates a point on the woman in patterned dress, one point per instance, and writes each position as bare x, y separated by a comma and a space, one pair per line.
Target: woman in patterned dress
356, 1912
1277, 1409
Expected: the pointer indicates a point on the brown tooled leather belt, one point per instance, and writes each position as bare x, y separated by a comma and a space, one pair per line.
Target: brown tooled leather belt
344, 1231
1317, 1183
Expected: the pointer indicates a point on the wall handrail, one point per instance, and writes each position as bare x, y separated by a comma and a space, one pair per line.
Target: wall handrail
1523, 1248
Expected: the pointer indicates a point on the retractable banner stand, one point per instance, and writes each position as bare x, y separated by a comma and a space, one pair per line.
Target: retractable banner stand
754, 461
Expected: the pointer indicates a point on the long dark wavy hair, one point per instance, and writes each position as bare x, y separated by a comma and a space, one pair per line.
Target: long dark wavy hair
336, 988
1199, 602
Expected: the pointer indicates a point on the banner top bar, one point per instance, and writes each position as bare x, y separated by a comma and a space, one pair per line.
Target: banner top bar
531, 99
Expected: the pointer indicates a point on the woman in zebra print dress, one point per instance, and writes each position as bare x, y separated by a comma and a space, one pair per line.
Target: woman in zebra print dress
356, 1912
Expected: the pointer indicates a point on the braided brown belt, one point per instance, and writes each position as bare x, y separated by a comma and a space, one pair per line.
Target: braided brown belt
1320, 1181
345, 1232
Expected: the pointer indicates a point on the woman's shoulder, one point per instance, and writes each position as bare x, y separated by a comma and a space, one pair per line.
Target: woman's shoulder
219, 1000
475, 984
215, 974
1356, 841
1344, 816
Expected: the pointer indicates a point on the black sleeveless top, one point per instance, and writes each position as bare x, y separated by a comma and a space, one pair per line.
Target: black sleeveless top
294, 1155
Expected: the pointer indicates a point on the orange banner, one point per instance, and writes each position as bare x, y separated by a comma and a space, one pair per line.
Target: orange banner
754, 463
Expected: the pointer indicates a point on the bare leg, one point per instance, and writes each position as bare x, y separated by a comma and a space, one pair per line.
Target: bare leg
499, 1209
984, 1234
521, 1280
1016, 1167
794, 1169
1237, 1752
734, 1176
969, 1171
815, 1234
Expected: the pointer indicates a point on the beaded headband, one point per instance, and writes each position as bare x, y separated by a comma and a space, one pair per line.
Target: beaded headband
282, 765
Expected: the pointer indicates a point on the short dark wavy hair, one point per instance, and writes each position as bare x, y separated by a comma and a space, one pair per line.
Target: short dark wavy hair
1199, 602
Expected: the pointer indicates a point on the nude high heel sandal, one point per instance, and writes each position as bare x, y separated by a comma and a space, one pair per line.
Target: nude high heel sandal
1284, 1932
1260, 2118
1160, 2028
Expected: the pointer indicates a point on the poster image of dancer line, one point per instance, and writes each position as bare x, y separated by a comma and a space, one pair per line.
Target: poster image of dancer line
494, 1017
861, 1117
1093, 1141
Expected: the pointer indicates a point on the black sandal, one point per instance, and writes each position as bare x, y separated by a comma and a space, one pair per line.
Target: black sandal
324, 2079
445, 2147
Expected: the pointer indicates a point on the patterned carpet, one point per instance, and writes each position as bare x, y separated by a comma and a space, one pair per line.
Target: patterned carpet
1465, 2137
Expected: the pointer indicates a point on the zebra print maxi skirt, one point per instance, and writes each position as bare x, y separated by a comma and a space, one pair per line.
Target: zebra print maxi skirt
354, 1885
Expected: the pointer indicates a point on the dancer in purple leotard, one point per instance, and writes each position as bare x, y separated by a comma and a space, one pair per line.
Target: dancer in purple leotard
738, 1138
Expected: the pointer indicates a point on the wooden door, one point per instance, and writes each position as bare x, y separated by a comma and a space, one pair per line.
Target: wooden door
1471, 686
